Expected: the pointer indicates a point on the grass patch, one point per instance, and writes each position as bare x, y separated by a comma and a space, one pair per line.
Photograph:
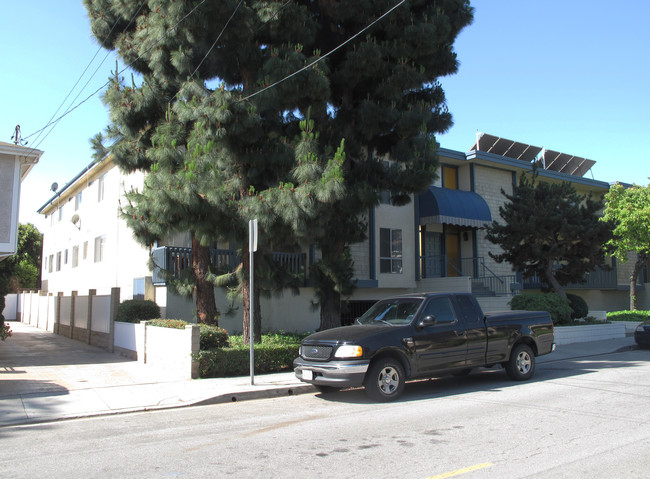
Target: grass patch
639, 316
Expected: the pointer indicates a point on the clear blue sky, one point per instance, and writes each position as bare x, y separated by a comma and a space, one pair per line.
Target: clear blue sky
566, 75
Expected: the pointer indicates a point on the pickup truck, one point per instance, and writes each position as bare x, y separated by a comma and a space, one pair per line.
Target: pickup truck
422, 336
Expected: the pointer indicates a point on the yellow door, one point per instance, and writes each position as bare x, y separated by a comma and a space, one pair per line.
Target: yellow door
452, 247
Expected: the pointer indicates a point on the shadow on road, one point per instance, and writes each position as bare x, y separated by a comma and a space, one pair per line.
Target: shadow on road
495, 379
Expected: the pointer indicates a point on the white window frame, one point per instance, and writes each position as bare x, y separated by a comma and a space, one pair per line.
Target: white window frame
390, 251
100, 246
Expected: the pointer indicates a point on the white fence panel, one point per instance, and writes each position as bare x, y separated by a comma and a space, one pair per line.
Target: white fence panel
101, 322
44, 321
81, 312
64, 313
11, 307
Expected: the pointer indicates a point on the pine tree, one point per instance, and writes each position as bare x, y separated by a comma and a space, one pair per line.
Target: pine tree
550, 231
218, 152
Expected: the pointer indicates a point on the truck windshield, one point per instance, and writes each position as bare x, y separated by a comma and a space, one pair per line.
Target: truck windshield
397, 311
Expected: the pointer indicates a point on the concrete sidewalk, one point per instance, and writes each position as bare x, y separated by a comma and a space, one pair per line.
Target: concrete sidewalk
46, 377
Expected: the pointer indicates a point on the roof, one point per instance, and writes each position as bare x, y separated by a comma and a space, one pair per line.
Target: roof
71, 183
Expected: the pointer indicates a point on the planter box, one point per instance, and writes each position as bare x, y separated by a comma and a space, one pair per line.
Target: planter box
591, 332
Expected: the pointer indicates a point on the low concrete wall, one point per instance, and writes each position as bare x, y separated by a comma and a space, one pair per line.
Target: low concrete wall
586, 333
170, 349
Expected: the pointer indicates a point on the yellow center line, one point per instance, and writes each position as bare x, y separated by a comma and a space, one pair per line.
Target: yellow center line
464, 470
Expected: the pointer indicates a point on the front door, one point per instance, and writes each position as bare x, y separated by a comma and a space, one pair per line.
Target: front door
452, 248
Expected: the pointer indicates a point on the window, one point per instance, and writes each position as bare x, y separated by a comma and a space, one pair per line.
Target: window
100, 188
441, 309
65, 257
50, 265
60, 213
385, 198
85, 250
390, 251
77, 201
450, 177
58, 261
75, 256
100, 242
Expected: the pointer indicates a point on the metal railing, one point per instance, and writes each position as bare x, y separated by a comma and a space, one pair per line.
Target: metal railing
598, 279
175, 259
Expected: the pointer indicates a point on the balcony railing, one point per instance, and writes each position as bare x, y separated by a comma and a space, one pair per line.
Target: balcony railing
174, 260
598, 279
441, 266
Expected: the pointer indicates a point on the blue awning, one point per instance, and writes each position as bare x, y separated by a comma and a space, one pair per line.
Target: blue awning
453, 207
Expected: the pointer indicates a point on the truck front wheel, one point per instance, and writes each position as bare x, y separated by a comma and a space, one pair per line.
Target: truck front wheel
385, 380
521, 365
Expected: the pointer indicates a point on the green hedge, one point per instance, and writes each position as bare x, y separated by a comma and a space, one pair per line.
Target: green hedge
136, 310
628, 316
226, 362
557, 306
210, 336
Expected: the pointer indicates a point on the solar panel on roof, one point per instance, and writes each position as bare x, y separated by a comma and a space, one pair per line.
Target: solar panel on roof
550, 159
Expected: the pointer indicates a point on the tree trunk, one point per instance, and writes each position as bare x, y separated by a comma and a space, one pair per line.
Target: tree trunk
206, 307
330, 298
638, 265
246, 300
330, 308
554, 283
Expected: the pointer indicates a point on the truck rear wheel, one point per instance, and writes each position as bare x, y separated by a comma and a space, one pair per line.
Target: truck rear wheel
385, 380
521, 364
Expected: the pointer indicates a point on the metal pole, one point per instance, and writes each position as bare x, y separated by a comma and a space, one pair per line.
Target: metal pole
252, 246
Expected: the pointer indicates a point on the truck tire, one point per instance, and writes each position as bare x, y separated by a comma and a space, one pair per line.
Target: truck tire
385, 380
521, 364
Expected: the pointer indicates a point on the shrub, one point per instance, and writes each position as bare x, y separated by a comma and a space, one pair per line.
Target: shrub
579, 308
168, 323
557, 306
275, 353
213, 337
628, 316
236, 362
136, 310
5, 331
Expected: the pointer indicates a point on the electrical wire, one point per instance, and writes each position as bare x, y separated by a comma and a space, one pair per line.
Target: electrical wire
324, 56
81, 76
70, 110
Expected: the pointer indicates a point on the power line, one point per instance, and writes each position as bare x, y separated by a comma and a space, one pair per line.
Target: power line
81, 76
326, 55
70, 110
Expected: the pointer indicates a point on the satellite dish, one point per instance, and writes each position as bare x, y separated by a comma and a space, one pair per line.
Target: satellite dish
55, 186
75, 220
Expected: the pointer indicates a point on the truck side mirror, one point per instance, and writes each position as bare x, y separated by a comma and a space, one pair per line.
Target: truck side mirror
427, 321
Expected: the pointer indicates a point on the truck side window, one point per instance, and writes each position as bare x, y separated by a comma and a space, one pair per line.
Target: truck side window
441, 309
468, 309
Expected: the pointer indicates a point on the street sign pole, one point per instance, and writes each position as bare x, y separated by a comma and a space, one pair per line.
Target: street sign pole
252, 247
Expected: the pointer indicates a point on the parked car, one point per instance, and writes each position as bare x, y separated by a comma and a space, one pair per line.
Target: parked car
642, 334
422, 336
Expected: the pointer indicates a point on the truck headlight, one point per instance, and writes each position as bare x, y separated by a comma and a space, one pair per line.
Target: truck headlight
349, 351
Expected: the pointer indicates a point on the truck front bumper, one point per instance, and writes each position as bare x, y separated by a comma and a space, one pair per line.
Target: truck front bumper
339, 374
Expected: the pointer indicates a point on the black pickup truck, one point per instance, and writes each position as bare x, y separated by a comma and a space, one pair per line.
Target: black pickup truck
422, 336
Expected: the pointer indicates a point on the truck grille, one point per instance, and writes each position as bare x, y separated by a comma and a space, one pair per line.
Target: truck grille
316, 352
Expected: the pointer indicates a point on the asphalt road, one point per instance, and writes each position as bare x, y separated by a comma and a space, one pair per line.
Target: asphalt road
588, 417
